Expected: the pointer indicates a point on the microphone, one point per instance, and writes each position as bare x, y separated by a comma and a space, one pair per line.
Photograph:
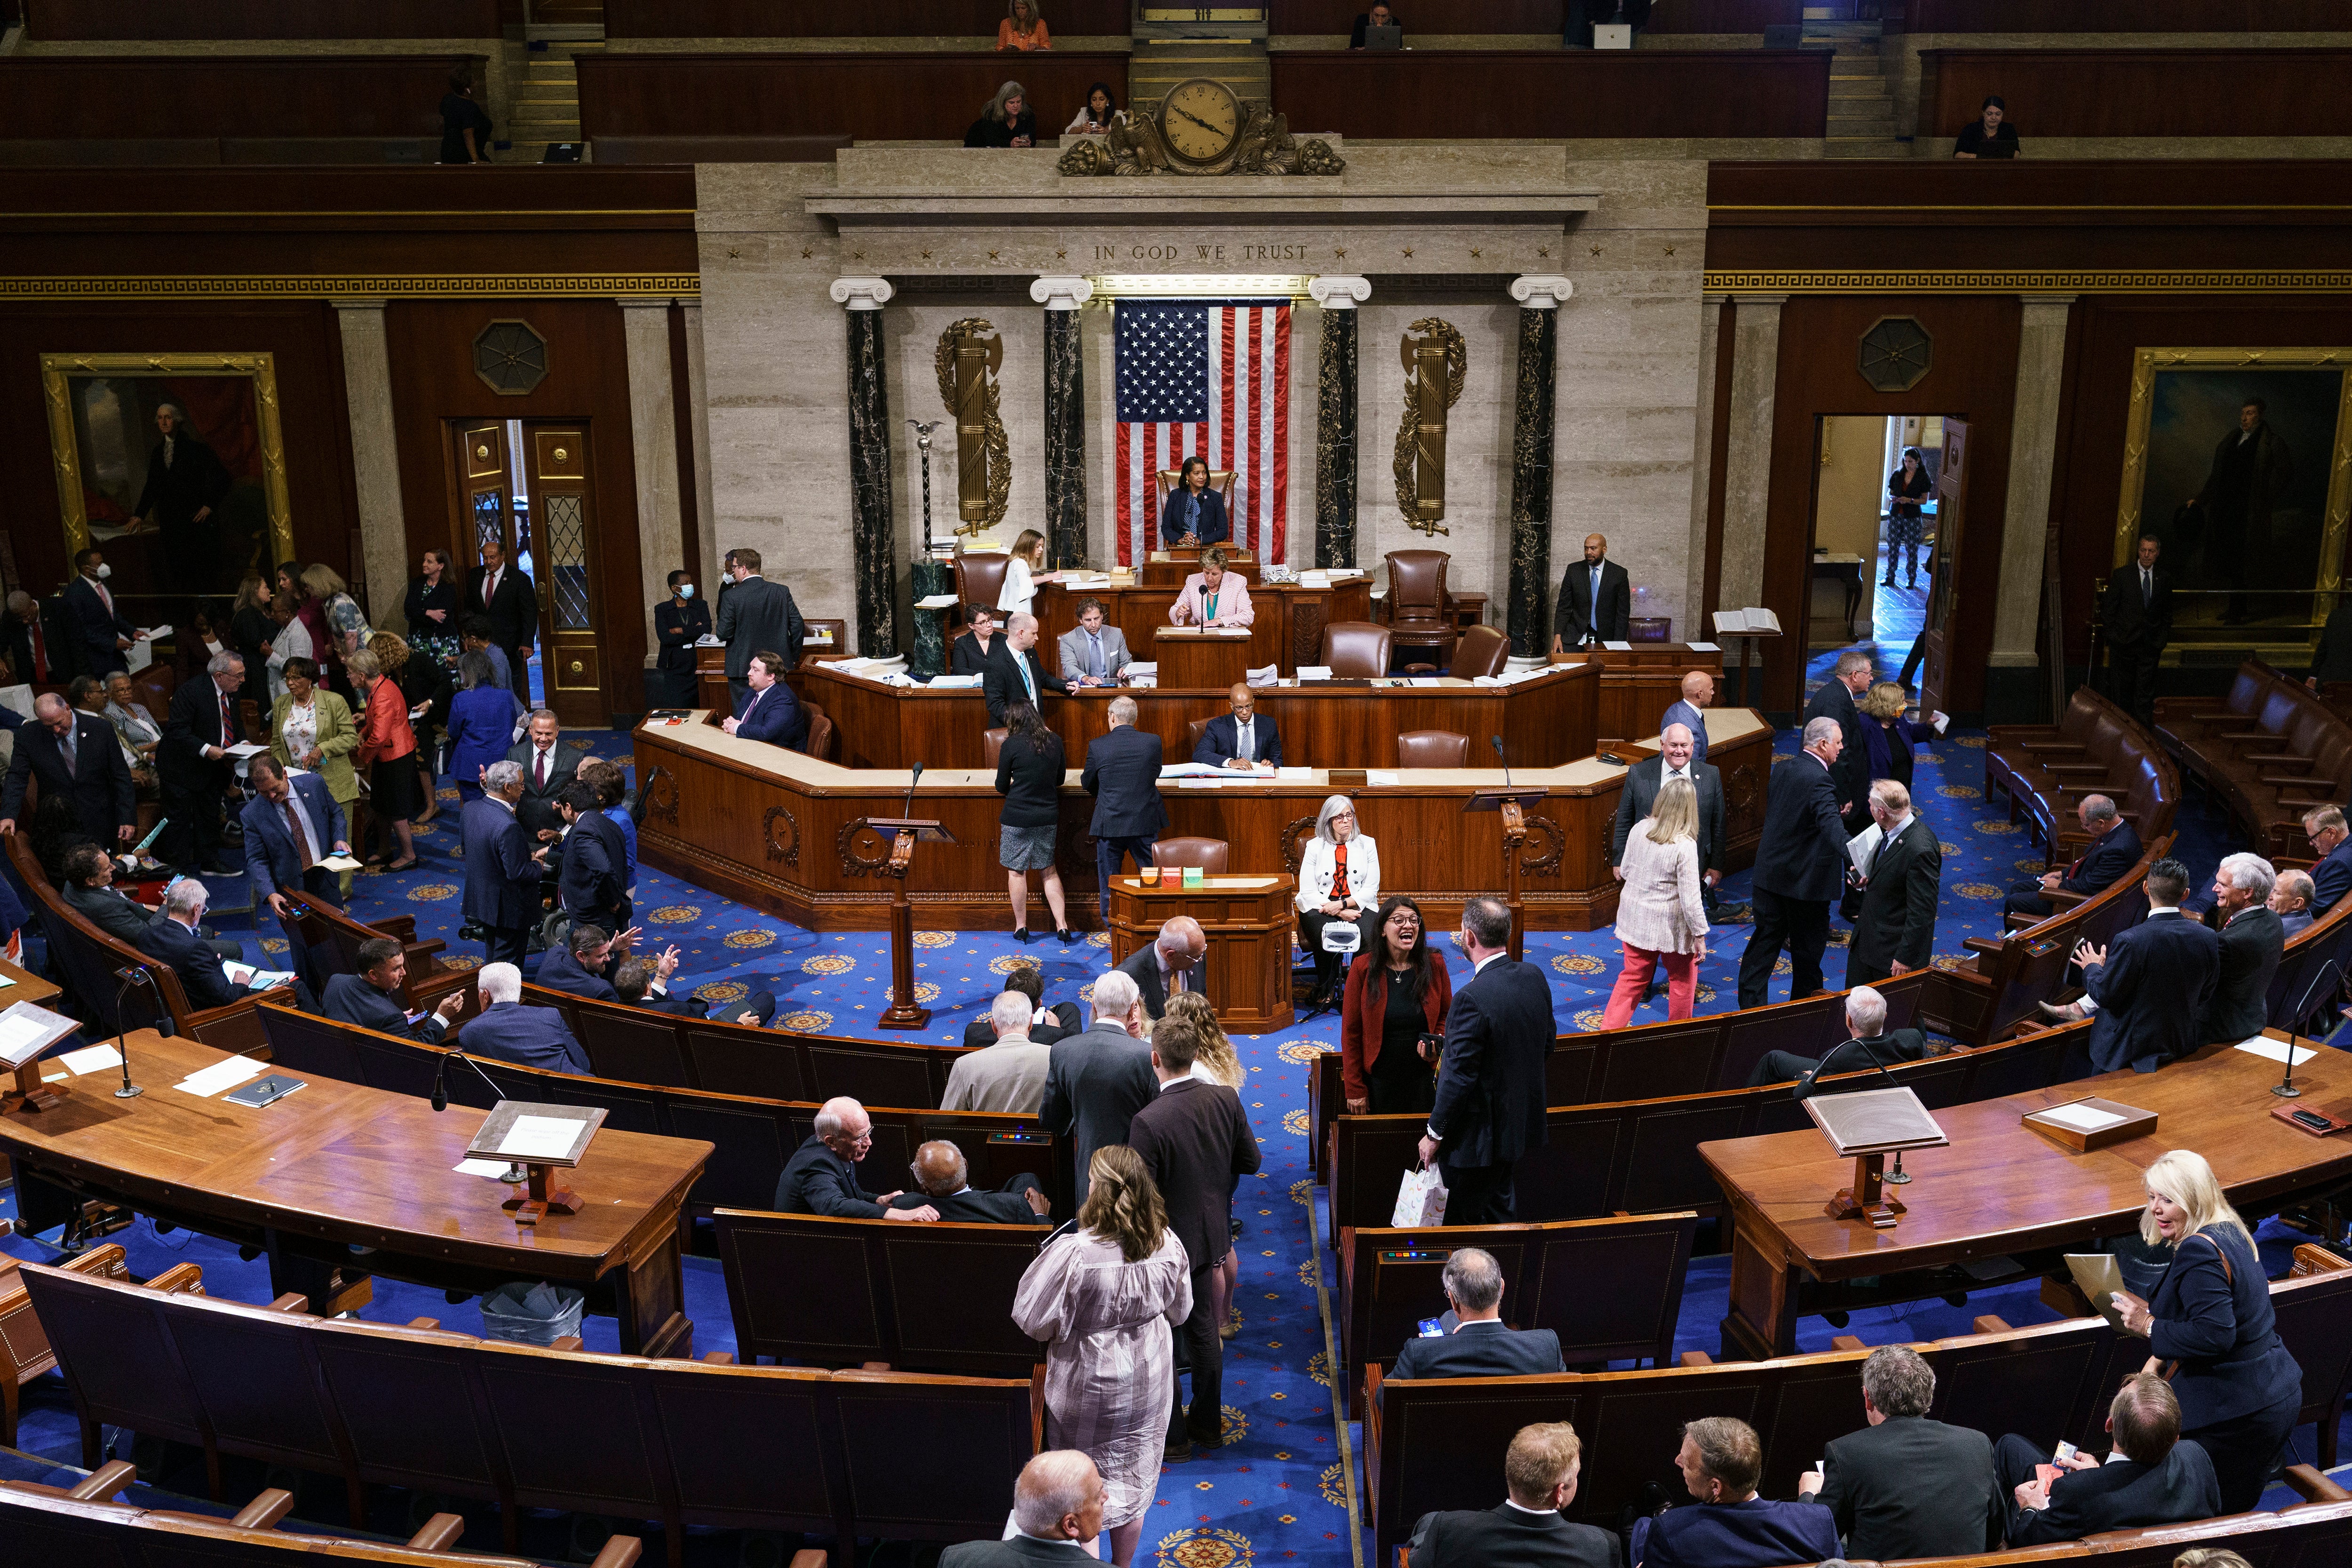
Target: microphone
2284, 1089
441, 1073
1805, 1088
1496, 741
139, 974
908, 809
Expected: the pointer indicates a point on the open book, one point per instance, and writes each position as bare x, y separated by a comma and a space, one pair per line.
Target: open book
1746, 623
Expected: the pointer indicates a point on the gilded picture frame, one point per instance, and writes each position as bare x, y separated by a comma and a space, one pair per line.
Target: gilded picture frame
61, 372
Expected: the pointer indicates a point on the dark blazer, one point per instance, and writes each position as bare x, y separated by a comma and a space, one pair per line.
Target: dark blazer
1894, 1045
1021, 1551
1220, 741
193, 959
1000, 681
972, 1207
193, 480
1573, 614
1640, 793
967, 657
2122, 1495
1490, 1080
818, 1181
1481, 1350
192, 722
1143, 966
1095, 1083
981, 1034
2252, 945
2152, 992
1122, 773
350, 999
1873, 1490
1031, 783
594, 860
526, 1036
99, 786
755, 614
2330, 879
513, 610
1195, 1139
111, 911
2129, 620
536, 808
1734, 1535
96, 627
1896, 927
1801, 852
560, 970
1507, 1537
501, 879
2218, 1323
678, 627
1214, 529
481, 732
2105, 863
777, 718
271, 859
1851, 773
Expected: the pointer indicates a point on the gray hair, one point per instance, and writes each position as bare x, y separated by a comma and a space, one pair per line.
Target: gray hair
1333, 805
1891, 794
1009, 1012
833, 1116
1670, 728
1115, 995
1865, 1011
1474, 1278
499, 983
2295, 885
500, 777
1820, 730
1053, 1485
186, 897
1853, 658
547, 713
1898, 1382
2098, 808
363, 664
222, 662
2250, 874
1123, 711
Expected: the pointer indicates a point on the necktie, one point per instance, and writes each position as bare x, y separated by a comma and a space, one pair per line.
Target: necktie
490, 588
1241, 748
294, 831
749, 708
40, 650
66, 744
103, 596
168, 444
1095, 657
1021, 661
2146, 586
228, 733
539, 771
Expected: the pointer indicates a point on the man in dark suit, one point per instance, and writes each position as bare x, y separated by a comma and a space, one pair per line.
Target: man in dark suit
291, 824
945, 1178
90, 892
1677, 758
1239, 739
2331, 876
768, 711
821, 1175
640, 982
527, 1037
173, 937
584, 963
103, 635
1725, 1524
548, 766
372, 998
1056, 1504
1016, 674
501, 593
1122, 773
77, 759
1096, 1082
1905, 1486
1178, 960
23, 641
591, 879
2114, 848
1532, 1530
185, 483
1059, 1023
1868, 1040
502, 869
197, 770
1800, 868
755, 613
2150, 987
1195, 1139
2137, 615
1490, 1079
1473, 1340
1895, 930
2162, 1478
1595, 599
2252, 941
1835, 700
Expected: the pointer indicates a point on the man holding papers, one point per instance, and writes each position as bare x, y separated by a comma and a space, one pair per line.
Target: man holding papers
290, 826
194, 764
1901, 866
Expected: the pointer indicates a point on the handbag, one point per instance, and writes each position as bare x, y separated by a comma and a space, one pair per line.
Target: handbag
1421, 1199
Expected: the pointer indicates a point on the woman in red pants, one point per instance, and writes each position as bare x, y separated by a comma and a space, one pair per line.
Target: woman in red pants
1660, 919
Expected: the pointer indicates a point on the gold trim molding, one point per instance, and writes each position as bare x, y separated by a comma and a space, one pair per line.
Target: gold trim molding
686, 286
2102, 282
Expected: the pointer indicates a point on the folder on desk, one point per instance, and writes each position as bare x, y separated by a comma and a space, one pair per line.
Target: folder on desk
2098, 1277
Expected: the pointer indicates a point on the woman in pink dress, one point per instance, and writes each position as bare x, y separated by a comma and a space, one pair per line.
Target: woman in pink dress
1103, 1295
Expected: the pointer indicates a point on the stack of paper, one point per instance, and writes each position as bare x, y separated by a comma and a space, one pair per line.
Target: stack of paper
1314, 672
26, 1031
954, 682
226, 1073
1266, 675
936, 602
1143, 667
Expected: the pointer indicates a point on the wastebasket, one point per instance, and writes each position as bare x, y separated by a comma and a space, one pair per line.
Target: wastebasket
532, 1312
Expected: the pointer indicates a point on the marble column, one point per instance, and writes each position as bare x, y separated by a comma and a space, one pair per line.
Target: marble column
706, 512
873, 538
1066, 419
2012, 684
1696, 624
376, 459
1335, 421
653, 441
1531, 461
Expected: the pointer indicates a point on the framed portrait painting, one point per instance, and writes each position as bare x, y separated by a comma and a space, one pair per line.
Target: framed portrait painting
2240, 460
170, 463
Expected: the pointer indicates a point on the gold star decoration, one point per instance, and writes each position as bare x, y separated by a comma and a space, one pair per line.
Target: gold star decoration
1596, 250
1408, 253
1669, 250
927, 256
1064, 256
856, 255
991, 256
734, 256
1543, 250
1340, 253
806, 251
1475, 253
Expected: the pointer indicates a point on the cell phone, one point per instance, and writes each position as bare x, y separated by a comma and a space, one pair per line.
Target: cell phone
1431, 1328
2066, 1453
1432, 1047
2312, 1120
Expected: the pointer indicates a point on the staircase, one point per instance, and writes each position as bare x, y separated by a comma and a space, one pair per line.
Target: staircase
545, 105
1174, 44
1861, 109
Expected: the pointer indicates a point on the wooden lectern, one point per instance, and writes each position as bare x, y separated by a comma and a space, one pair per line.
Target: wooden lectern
1871, 1125
26, 1030
904, 833
1512, 801
538, 1141
1168, 567
1202, 659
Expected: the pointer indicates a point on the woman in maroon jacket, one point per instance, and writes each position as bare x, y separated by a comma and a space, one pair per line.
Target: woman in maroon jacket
1396, 993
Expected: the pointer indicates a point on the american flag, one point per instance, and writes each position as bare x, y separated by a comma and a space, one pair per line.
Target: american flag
1209, 380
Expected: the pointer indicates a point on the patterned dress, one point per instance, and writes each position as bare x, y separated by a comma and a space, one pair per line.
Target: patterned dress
1110, 1375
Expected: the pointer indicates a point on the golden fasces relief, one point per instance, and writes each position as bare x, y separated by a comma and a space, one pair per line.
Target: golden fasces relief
969, 358
1436, 361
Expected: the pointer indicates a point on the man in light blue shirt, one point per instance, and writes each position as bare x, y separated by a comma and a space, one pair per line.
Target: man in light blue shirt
1093, 654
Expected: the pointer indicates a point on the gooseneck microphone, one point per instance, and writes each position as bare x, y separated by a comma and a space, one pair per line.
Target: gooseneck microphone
2284, 1089
441, 1078
139, 974
909, 808
1496, 741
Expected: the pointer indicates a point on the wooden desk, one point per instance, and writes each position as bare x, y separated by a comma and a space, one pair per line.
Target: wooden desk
1192, 660
24, 986
826, 639
2000, 1189
1248, 920
1286, 630
1844, 571
1638, 684
1169, 568
338, 1166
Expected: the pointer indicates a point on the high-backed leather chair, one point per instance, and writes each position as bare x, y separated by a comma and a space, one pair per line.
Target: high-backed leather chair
979, 580
1649, 629
1421, 613
991, 745
1356, 650
1482, 650
1220, 480
1432, 749
1192, 733
820, 737
1208, 854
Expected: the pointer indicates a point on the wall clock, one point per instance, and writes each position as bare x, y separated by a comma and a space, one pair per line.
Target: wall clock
1200, 124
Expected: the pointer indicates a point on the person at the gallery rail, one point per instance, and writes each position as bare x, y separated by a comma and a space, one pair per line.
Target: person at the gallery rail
185, 484
1195, 514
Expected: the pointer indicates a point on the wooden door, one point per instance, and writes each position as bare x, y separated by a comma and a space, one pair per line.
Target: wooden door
485, 494
562, 546
1943, 591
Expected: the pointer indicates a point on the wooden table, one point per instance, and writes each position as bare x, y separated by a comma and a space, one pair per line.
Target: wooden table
1286, 628
1638, 684
1846, 571
2000, 1189
1192, 659
338, 1166
1248, 920
24, 986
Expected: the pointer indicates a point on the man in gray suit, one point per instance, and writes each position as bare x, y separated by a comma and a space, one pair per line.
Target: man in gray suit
1093, 654
1178, 961
755, 613
1056, 1504
1677, 758
1096, 1082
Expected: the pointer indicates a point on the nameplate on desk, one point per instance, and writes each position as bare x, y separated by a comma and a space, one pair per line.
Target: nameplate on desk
1043, 1139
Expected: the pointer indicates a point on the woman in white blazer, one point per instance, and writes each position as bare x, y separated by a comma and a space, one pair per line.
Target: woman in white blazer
1019, 595
1660, 919
1339, 879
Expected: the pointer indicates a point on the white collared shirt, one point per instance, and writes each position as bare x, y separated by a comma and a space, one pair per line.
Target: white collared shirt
1246, 739
1538, 1512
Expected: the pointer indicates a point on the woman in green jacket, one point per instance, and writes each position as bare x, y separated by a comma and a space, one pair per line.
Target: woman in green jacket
311, 726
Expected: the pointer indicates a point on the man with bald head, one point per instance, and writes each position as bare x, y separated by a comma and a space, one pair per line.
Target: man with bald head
1014, 673
941, 1171
1178, 961
2114, 848
821, 1175
1241, 739
1698, 693
1056, 1504
77, 759
1595, 600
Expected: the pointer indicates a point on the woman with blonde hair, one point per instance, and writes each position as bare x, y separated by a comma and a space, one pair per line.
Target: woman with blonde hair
1022, 572
345, 622
2240, 1388
1660, 917
1887, 737
1007, 122
386, 745
1103, 1294
1216, 1062
1023, 28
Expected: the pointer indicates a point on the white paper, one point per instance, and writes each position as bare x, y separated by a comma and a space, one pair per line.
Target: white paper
93, 1058
1863, 844
1265, 675
138, 655
340, 863
1374, 776
1298, 774
421, 709
936, 602
225, 1074
706, 640
2081, 1118
1314, 672
1190, 770
822, 636
6, 980
2276, 1050
540, 1138
17, 698
247, 749
19, 1038
479, 1168
1423, 681
1617, 646
956, 682
1941, 722
1142, 667
1701, 648
158, 633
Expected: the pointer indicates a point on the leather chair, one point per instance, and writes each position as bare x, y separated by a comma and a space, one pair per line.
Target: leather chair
979, 580
1220, 480
1432, 749
820, 738
991, 745
1208, 854
1356, 650
1192, 733
1649, 629
1482, 650
1421, 613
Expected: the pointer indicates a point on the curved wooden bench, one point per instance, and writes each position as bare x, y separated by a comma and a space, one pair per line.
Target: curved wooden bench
2273, 751
2095, 748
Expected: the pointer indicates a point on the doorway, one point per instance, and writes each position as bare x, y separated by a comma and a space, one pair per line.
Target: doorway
525, 483
1877, 569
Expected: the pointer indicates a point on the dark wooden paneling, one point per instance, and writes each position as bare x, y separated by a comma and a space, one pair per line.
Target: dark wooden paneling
861, 19
2126, 17
1452, 16
222, 95
1570, 93
2140, 93
433, 382
1725, 16
110, 19
880, 95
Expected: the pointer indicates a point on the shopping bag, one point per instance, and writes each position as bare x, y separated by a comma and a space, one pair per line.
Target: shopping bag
1420, 1198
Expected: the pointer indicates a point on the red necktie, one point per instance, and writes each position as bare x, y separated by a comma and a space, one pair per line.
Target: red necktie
294, 830
225, 731
541, 781
40, 650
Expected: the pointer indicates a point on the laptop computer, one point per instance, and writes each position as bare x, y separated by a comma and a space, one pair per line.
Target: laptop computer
1390, 36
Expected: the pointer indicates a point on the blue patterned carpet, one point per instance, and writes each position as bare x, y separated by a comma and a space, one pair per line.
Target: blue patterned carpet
1283, 1489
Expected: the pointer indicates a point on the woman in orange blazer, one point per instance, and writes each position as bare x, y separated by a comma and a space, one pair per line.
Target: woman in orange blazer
1380, 1026
387, 747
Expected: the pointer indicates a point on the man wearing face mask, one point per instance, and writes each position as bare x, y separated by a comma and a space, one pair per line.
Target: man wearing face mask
105, 633
185, 485
679, 621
